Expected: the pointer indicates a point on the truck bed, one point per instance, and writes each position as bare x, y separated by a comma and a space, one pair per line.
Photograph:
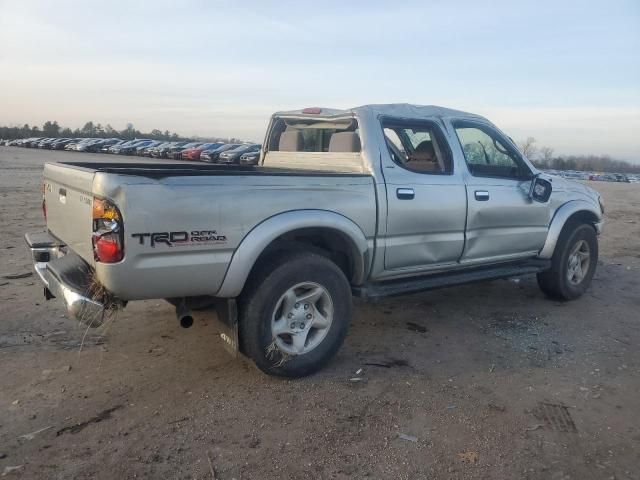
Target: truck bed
168, 198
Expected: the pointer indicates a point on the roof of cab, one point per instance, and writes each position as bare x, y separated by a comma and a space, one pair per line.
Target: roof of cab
406, 110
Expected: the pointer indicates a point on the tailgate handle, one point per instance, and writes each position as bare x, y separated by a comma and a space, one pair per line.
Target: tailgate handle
405, 193
63, 195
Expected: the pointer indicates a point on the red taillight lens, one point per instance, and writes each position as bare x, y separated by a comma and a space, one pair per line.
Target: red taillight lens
312, 110
107, 248
108, 239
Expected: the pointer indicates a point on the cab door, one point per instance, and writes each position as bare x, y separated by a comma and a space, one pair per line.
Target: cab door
503, 222
426, 198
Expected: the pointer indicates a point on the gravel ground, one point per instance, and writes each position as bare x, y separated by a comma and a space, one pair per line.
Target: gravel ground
484, 381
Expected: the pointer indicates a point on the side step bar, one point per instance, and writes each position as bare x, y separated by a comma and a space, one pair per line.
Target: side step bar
440, 280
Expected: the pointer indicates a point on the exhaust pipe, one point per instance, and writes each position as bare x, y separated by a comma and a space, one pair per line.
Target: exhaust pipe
184, 315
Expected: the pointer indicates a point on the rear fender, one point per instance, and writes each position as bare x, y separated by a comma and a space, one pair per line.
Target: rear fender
261, 236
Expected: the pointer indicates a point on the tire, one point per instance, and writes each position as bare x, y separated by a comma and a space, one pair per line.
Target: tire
274, 300
562, 281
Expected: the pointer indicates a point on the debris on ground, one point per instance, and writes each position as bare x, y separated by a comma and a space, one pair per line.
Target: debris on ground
48, 371
469, 457
32, 435
408, 438
104, 415
396, 362
8, 470
416, 327
211, 469
17, 276
535, 427
555, 416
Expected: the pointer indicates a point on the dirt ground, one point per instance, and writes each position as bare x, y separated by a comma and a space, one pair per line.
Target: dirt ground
483, 381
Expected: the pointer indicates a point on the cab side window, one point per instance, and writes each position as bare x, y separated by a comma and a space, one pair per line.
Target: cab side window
487, 155
418, 147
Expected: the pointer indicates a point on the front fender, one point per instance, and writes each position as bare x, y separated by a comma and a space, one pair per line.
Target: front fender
560, 219
261, 236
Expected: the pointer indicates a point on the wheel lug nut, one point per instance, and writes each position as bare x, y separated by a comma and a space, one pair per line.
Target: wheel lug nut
302, 325
308, 316
290, 315
293, 325
306, 306
297, 305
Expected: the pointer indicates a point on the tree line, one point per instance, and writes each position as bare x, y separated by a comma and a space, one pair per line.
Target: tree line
52, 129
544, 158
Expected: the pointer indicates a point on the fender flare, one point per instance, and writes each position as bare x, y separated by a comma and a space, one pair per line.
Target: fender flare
261, 236
560, 219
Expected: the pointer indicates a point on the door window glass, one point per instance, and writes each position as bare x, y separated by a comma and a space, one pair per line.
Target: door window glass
487, 155
419, 148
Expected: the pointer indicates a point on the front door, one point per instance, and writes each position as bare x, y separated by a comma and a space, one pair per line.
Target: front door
426, 198
502, 221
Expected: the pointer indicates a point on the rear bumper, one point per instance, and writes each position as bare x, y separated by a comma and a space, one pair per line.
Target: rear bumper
65, 276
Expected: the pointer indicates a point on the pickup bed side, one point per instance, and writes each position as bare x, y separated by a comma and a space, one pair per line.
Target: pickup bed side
251, 206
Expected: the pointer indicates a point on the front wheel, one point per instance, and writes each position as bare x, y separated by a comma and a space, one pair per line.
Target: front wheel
573, 263
294, 314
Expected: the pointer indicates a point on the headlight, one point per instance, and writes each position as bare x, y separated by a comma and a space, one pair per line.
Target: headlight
601, 204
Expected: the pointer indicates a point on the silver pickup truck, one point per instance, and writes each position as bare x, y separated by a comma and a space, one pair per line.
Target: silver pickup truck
374, 201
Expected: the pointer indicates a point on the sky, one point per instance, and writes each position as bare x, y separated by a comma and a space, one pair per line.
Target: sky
564, 72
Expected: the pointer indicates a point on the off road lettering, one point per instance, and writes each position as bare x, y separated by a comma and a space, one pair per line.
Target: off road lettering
171, 239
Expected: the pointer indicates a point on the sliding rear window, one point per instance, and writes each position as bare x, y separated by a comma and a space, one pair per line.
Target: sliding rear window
314, 135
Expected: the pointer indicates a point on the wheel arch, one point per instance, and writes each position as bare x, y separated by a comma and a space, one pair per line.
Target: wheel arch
574, 210
322, 231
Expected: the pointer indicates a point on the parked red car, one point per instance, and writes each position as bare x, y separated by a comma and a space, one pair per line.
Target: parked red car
194, 152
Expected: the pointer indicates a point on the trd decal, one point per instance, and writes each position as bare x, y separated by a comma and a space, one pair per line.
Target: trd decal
175, 239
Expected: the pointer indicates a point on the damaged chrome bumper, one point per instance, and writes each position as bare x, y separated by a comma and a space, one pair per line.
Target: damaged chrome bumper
65, 276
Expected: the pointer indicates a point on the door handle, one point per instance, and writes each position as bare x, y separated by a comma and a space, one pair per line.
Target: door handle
482, 195
405, 193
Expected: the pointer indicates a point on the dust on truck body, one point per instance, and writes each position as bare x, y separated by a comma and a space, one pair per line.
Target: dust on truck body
374, 201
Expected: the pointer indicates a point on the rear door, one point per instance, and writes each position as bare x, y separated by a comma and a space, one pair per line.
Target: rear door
426, 197
502, 221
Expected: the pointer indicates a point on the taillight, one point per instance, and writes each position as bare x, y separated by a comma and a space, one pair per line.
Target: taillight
108, 239
312, 110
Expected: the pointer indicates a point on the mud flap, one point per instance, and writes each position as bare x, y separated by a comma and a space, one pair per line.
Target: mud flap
227, 311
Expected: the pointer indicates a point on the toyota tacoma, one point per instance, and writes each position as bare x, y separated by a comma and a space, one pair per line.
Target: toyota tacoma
369, 202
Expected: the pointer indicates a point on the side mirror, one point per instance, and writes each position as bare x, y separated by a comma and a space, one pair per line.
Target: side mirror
540, 190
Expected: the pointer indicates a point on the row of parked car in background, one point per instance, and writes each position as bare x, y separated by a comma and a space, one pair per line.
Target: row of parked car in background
596, 176
212, 152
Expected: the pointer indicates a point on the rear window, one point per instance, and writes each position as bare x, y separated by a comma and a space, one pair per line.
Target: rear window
311, 135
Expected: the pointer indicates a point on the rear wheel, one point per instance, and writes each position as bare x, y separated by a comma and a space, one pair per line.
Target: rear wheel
573, 263
294, 314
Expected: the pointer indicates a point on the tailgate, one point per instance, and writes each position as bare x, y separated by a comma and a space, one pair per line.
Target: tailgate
68, 197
